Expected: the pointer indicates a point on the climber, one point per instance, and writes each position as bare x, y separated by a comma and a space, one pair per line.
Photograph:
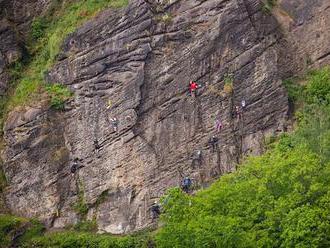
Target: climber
193, 88
243, 104
214, 143
96, 146
197, 158
155, 210
114, 123
75, 166
218, 125
186, 184
238, 112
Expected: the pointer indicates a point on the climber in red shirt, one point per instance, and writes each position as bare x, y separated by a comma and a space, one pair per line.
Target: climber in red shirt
193, 87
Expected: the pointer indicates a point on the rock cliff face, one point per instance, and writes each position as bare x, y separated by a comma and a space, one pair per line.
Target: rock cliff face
135, 65
15, 18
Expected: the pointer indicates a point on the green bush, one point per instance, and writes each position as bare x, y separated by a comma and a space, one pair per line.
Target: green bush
86, 226
10, 226
318, 88
87, 240
34, 229
7, 224
294, 90
31, 234
15, 70
81, 206
38, 27
58, 95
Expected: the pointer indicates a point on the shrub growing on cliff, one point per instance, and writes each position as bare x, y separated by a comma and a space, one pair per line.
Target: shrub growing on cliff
14, 231
62, 21
228, 86
268, 5
38, 27
86, 226
81, 206
58, 94
7, 225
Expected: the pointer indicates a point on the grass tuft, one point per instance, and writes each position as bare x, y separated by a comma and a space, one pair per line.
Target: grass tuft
268, 5
58, 94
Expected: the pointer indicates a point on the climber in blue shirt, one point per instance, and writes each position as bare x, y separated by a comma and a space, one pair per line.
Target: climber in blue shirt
155, 210
186, 184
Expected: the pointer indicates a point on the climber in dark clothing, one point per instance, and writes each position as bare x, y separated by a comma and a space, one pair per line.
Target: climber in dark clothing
214, 143
96, 145
238, 112
75, 166
186, 184
155, 210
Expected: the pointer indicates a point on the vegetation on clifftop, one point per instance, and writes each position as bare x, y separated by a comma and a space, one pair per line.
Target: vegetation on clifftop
46, 37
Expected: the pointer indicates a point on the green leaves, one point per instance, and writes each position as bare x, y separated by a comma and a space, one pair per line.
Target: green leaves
11, 226
318, 88
75, 240
268, 5
58, 95
38, 27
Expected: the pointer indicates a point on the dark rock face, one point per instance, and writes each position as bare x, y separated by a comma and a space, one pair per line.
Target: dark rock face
21, 13
10, 52
135, 65
15, 19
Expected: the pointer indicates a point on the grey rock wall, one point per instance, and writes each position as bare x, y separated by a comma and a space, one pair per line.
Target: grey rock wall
135, 64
